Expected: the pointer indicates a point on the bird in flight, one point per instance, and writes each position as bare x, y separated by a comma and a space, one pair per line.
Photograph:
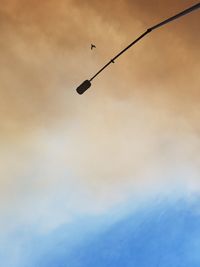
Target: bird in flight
92, 46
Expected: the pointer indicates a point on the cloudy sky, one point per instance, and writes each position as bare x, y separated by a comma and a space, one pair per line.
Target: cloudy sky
109, 178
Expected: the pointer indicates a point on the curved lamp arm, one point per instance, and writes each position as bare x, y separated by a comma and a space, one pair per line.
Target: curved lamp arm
87, 83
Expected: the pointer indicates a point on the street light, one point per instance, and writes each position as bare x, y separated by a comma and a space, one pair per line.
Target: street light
87, 83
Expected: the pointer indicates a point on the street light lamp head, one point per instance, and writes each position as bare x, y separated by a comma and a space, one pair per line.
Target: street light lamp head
83, 87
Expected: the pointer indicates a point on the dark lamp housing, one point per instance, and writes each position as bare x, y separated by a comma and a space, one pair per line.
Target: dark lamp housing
83, 87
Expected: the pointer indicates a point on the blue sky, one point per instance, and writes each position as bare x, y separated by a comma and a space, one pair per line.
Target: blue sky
160, 233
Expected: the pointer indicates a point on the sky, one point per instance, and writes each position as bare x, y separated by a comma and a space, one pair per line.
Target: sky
109, 178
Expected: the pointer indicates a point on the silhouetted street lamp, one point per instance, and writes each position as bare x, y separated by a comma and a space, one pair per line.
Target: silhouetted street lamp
87, 83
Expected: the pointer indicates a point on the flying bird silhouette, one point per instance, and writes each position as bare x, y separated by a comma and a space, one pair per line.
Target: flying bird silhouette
92, 46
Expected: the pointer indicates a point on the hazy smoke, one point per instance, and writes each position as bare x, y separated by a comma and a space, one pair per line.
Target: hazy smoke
135, 131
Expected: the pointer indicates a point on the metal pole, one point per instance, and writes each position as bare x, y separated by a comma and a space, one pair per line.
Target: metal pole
86, 84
